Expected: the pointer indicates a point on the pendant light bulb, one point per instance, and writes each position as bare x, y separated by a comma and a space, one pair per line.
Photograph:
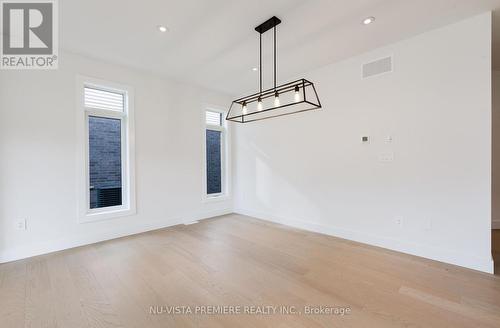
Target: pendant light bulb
297, 94
259, 104
276, 99
244, 108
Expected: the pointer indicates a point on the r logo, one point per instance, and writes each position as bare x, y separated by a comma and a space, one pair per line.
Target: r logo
27, 28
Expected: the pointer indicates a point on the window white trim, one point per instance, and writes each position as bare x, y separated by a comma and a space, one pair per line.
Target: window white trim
85, 214
225, 155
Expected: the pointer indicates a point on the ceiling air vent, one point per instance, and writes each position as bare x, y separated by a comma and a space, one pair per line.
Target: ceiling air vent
377, 67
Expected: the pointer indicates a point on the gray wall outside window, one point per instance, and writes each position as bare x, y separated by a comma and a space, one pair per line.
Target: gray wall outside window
214, 162
104, 156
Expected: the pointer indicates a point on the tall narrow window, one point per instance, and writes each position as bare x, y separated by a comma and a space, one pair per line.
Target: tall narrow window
108, 175
215, 136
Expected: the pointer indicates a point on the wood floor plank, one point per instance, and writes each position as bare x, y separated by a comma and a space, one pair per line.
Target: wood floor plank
13, 293
40, 305
65, 297
97, 309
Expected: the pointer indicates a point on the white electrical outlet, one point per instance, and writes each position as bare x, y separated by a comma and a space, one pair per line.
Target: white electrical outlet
386, 157
21, 224
398, 220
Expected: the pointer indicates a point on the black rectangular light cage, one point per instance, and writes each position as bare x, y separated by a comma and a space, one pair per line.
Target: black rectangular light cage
289, 98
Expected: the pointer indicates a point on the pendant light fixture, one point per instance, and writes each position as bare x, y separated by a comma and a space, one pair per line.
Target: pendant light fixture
289, 98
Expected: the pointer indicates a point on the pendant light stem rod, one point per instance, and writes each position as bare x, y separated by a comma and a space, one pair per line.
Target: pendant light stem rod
260, 61
274, 57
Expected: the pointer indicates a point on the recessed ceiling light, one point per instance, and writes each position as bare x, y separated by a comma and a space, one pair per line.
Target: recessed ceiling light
162, 28
255, 69
368, 20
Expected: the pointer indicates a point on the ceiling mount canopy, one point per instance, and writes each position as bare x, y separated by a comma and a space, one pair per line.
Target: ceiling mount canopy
285, 99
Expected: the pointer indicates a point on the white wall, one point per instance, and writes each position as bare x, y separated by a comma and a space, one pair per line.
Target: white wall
310, 170
38, 156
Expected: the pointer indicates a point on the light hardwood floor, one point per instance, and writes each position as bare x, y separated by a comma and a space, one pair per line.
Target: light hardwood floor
236, 260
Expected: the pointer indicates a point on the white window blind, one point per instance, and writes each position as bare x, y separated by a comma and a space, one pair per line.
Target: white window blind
101, 99
213, 118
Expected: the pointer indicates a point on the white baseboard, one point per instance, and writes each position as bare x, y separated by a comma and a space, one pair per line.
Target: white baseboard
495, 224
34, 249
429, 252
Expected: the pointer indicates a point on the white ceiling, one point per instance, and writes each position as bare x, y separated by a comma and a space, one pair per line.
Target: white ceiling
212, 43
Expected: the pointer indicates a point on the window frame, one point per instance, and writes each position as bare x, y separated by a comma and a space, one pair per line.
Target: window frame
128, 207
225, 155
